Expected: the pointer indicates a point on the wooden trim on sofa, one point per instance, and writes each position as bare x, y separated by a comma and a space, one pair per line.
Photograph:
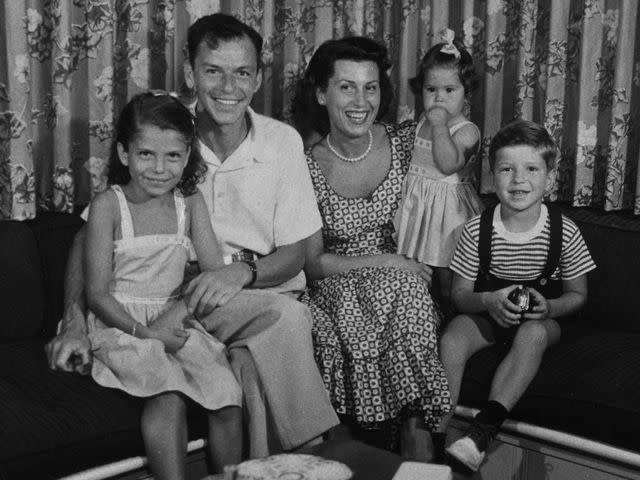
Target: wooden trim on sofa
582, 445
121, 467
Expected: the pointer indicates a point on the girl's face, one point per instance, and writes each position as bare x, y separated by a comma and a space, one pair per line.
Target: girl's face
442, 88
352, 97
156, 159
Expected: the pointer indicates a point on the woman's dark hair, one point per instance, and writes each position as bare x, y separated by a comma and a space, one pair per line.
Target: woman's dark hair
218, 27
523, 132
167, 113
435, 58
308, 115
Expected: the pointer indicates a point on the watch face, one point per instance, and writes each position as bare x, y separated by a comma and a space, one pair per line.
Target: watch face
244, 255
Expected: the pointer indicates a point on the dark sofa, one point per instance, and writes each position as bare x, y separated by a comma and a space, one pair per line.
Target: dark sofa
589, 384
51, 423
54, 423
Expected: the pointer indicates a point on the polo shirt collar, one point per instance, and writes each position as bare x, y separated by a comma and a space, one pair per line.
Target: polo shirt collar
247, 152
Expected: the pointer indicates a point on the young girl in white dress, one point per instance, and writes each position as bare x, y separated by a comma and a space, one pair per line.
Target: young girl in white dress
139, 233
439, 193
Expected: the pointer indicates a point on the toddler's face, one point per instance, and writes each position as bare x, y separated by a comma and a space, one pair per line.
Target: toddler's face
156, 159
442, 88
521, 177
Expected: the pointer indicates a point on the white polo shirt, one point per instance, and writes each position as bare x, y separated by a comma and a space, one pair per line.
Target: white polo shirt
261, 196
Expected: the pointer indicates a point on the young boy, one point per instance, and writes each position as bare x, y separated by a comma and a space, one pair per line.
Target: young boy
519, 243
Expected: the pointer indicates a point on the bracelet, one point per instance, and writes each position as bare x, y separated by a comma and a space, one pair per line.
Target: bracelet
254, 271
133, 330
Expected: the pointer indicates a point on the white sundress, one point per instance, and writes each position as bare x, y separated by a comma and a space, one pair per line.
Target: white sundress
148, 272
434, 206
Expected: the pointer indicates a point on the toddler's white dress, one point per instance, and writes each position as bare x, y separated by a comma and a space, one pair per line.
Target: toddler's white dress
148, 272
434, 206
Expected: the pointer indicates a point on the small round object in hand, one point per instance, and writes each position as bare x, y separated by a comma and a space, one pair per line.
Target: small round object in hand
523, 298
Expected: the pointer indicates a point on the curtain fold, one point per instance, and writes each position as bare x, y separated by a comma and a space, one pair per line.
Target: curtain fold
67, 68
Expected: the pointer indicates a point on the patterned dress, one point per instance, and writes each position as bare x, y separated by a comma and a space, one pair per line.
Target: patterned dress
375, 329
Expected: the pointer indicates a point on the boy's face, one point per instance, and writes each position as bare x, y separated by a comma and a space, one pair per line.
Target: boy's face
225, 79
521, 177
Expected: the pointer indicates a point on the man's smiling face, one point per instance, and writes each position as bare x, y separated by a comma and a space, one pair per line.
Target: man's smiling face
225, 79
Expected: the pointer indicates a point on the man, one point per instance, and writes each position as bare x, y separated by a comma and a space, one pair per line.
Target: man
259, 194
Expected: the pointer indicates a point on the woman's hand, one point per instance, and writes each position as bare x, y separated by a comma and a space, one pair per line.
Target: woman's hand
502, 310
541, 309
395, 260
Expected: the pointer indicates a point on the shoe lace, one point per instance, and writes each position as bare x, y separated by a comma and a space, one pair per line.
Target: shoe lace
482, 434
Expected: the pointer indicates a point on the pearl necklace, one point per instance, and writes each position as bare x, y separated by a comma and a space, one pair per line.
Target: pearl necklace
351, 159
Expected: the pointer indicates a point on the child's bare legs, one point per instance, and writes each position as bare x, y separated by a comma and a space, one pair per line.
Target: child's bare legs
513, 376
225, 437
516, 371
164, 430
464, 336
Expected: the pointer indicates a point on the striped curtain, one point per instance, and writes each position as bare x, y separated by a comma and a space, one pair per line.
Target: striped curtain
68, 67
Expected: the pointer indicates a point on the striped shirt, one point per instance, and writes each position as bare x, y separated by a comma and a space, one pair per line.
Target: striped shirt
522, 256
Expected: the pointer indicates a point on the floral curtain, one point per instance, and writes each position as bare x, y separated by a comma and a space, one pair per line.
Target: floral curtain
68, 67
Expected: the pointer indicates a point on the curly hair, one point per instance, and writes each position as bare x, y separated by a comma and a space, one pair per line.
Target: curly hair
166, 113
308, 115
524, 132
434, 58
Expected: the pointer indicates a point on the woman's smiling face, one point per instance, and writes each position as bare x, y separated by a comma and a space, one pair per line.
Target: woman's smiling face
352, 97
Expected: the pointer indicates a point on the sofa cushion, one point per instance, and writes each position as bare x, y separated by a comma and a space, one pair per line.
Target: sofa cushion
21, 287
57, 422
613, 301
54, 233
587, 385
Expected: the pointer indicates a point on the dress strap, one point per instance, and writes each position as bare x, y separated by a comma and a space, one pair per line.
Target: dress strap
179, 202
461, 124
555, 243
484, 242
126, 223
420, 123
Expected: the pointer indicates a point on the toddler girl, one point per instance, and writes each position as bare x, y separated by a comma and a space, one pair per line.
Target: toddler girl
439, 195
139, 233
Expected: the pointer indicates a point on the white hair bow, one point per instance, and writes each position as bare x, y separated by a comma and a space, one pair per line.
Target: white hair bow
449, 48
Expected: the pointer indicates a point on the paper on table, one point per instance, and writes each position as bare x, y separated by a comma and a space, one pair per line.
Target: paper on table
422, 471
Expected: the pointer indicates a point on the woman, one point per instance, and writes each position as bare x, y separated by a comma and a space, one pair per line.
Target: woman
375, 324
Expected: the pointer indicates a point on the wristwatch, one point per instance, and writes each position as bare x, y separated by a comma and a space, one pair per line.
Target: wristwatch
254, 271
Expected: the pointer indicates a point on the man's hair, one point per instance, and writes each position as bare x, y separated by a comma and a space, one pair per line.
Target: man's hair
308, 115
524, 132
217, 28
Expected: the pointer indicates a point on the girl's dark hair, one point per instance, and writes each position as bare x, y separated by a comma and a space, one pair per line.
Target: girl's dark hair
524, 132
308, 115
167, 113
434, 58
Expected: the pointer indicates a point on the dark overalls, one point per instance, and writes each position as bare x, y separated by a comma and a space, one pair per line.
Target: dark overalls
486, 282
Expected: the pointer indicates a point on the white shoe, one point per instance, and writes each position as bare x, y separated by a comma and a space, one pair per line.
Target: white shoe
466, 452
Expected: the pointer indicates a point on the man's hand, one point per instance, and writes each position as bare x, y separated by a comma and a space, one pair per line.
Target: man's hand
502, 310
541, 309
69, 351
211, 289
422, 270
